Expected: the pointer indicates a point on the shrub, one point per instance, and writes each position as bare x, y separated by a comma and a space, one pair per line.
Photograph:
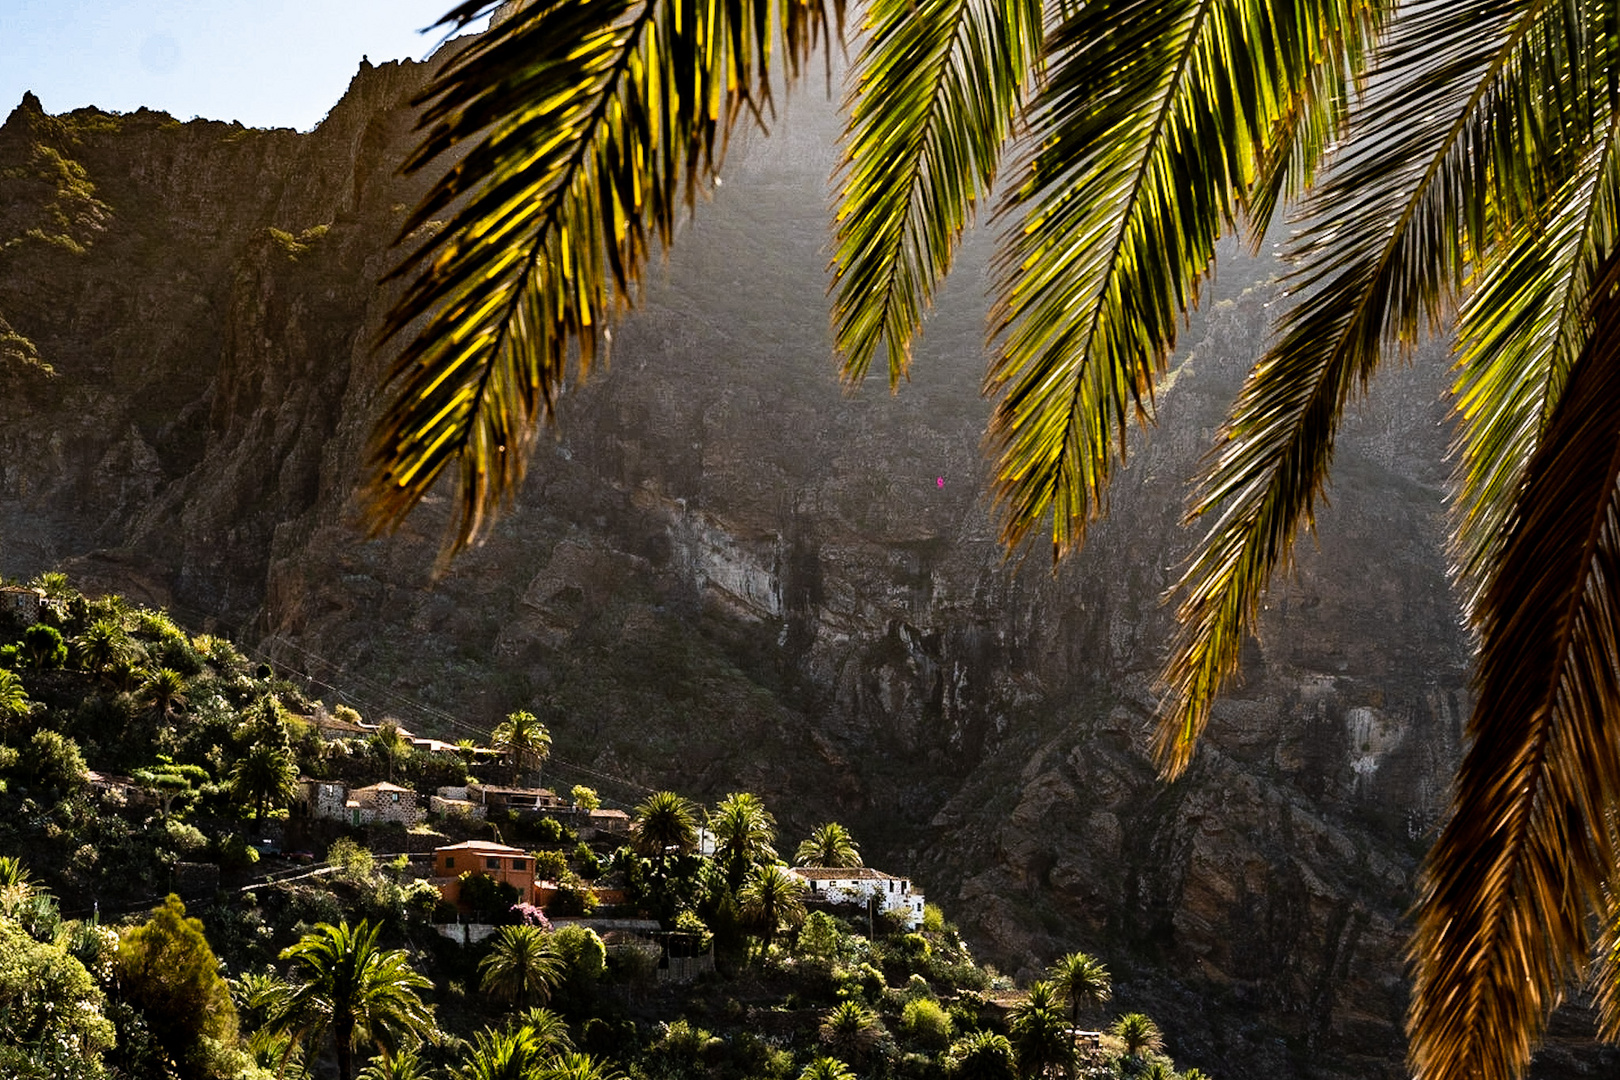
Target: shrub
926, 1024
480, 892
50, 764
550, 865
528, 915
167, 969
43, 646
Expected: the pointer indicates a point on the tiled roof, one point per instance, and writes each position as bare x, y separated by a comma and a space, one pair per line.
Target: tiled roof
481, 846
842, 873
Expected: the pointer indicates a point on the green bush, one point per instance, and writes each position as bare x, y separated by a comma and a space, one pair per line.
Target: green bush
927, 1024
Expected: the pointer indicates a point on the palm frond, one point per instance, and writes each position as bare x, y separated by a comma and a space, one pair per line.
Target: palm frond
593, 124
1150, 123
1313, 119
1522, 864
934, 95
1521, 330
1398, 224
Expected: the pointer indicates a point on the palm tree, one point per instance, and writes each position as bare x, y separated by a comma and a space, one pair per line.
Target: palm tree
1082, 981
14, 703
576, 1066
852, 1029
391, 744
1040, 1035
1470, 188
547, 1029
981, 1055
744, 832
512, 1054
665, 823
362, 994
164, 692
830, 845
522, 966
102, 643
264, 776
771, 897
524, 740
826, 1068
405, 1065
1139, 1034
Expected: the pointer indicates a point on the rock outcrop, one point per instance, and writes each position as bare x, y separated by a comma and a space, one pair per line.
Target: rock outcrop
726, 574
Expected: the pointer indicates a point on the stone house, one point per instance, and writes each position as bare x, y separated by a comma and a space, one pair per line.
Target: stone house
504, 863
23, 603
453, 802
513, 798
843, 885
324, 799
383, 802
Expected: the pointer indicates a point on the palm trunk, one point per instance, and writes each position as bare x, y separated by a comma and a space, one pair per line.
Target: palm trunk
345, 1048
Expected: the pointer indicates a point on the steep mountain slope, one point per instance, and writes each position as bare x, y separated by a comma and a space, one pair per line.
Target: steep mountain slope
726, 574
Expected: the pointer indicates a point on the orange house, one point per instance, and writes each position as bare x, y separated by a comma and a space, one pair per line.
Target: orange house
513, 866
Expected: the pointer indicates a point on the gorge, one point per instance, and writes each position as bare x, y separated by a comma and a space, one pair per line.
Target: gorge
727, 574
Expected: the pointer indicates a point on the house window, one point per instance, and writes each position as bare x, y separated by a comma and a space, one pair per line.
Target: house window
449, 862
395, 796
492, 863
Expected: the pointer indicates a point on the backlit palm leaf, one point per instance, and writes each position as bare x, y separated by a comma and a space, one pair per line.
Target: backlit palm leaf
1513, 879
1150, 124
935, 92
1439, 176
1522, 329
593, 122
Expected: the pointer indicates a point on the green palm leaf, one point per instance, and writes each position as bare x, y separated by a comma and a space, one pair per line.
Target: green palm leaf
1151, 122
1521, 330
593, 122
1399, 224
1509, 886
935, 93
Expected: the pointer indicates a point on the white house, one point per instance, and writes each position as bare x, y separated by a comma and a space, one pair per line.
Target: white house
860, 884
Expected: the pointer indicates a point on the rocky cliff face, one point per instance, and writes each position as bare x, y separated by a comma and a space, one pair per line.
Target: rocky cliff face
724, 574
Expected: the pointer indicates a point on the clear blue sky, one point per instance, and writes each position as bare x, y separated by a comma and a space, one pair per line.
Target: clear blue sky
267, 63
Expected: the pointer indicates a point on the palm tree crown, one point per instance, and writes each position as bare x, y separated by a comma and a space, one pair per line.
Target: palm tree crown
771, 897
830, 845
361, 993
665, 822
1082, 981
524, 740
1472, 185
522, 966
744, 834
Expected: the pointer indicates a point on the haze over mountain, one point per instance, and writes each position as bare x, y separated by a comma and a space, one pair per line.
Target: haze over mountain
725, 574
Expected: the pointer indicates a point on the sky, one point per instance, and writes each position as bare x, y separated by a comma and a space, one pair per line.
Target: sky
267, 63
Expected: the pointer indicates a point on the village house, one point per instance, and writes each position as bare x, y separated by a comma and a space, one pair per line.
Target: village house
383, 802
453, 802
840, 885
509, 865
323, 799
23, 603
608, 823
515, 798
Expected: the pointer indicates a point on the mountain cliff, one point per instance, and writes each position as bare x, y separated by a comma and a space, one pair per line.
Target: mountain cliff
726, 574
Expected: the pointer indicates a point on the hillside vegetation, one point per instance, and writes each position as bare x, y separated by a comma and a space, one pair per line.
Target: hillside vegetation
140, 762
